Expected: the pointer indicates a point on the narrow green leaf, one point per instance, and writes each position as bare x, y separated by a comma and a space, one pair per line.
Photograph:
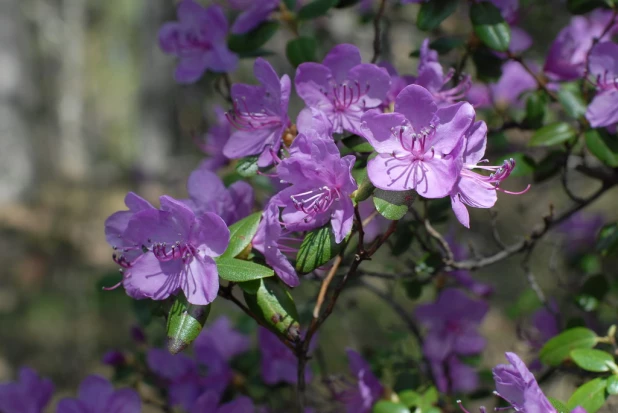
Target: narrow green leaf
591, 396
443, 45
247, 167
490, 26
253, 40
612, 385
536, 109
434, 12
559, 348
558, 405
583, 6
317, 249
275, 307
231, 269
571, 99
604, 146
385, 406
488, 65
184, 323
315, 9
393, 205
607, 243
592, 359
365, 189
302, 49
553, 134
409, 398
241, 234
357, 144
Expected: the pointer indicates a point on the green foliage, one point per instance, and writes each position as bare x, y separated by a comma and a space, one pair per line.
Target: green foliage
247, 167
607, 243
393, 205
558, 405
317, 249
490, 26
591, 359
434, 12
274, 305
583, 7
184, 323
315, 9
365, 189
612, 385
592, 292
591, 396
241, 234
549, 166
301, 49
385, 406
488, 65
536, 109
571, 99
253, 40
604, 146
524, 164
357, 144
559, 348
443, 45
232, 269
553, 134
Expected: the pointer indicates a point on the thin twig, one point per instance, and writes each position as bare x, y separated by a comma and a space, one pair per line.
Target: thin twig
377, 41
446, 249
325, 284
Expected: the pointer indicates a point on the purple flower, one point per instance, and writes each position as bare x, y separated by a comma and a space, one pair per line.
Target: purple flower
580, 231
273, 242
199, 40
603, 66
219, 343
170, 249
398, 83
259, 115
464, 277
415, 143
507, 92
342, 87
473, 189
253, 12
367, 390
214, 141
29, 394
321, 186
116, 224
97, 395
278, 364
452, 323
209, 403
453, 376
208, 194
431, 77
566, 59
374, 227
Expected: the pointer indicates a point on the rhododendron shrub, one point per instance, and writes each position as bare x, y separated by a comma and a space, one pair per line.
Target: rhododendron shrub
330, 176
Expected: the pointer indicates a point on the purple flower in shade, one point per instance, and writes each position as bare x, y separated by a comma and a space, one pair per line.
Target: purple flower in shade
398, 83
321, 186
116, 226
29, 394
464, 277
342, 87
507, 92
114, 358
603, 66
580, 231
218, 344
566, 59
208, 194
278, 364
259, 115
367, 390
473, 189
170, 249
97, 395
209, 403
273, 242
539, 329
453, 376
199, 40
414, 144
214, 140
431, 76
452, 323
253, 12
374, 224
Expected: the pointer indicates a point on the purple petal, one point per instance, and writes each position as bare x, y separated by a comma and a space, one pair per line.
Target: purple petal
241, 404
95, 391
460, 210
252, 17
372, 78
148, 277
417, 105
311, 81
211, 235
202, 282
190, 69
124, 401
342, 219
207, 402
602, 111
221, 59
455, 120
72, 406
341, 59
438, 178
476, 143
169, 38
474, 194
378, 127
251, 142
169, 366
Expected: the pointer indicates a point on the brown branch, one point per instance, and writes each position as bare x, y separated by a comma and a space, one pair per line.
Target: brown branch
325, 284
377, 41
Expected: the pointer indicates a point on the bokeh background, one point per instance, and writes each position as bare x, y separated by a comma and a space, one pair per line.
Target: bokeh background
89, 110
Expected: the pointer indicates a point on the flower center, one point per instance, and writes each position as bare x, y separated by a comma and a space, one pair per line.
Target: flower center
346, 94
607, 81
244, 119
315, 201
178, 250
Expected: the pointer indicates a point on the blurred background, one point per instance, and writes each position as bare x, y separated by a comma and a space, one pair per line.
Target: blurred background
89, 110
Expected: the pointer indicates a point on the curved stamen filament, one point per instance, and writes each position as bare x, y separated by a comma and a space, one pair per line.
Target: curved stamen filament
244, 119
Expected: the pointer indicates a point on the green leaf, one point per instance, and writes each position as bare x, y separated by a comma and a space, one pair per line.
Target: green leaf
591, 359
274, 305
602, 145
549, 166
591, 396
357, 144
553, 134
317, 249
409, 398
490, 26
231, 269
558, 405
592, 292
443, 45
247, 167
253, 40
301, 50
607, 242
612, 385
241, 234
488, 65
582, 7
434, 12
571, 99
524, 165
559, 348
536, 109
393, 205
315, 9
184, 323
365, 189
385, 406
